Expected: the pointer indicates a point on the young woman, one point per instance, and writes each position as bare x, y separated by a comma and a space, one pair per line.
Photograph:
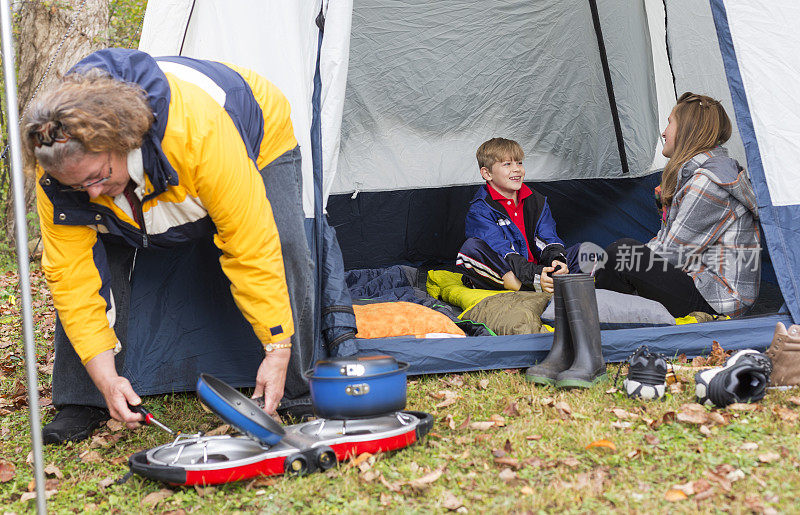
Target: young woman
706, 257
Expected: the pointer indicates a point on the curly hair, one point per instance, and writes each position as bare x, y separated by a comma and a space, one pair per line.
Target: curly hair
85, 112
702, 124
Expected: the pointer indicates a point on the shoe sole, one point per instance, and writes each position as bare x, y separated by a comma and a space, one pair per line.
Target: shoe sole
579, 383
542, 380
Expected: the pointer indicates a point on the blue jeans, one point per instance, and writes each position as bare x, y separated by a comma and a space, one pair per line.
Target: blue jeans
154, 366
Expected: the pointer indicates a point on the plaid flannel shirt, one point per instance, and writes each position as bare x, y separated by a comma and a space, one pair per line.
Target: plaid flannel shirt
711, 231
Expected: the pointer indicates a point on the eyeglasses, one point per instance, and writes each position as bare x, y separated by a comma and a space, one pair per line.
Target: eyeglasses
84, 187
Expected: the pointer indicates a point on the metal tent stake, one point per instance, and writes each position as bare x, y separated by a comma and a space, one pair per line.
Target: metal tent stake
18, 184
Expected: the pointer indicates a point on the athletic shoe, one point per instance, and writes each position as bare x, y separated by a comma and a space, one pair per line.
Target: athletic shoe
647, 375
73, 423
743, 378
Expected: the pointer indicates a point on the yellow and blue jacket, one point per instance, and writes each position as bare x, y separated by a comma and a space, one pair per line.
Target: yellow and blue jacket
197, 173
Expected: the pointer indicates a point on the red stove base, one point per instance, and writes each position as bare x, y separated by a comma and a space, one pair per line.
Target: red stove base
307, 447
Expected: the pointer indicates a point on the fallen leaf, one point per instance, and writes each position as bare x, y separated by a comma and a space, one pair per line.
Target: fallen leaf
623, 414
424, 481
768, 457
221, 430
99, 441
508, 447
498, 420
507, 475
52, 470
445, 403
794, 400
450, 421
105, 483
481, 426
526, 490
651, 439
612, 390
621, 425
748, 446
704, 430
49, 485
263, 481
370, 475
511, 409
91, 457
483, 384
740, 406
7, 471
455, 380
465, 423
786, 414
451, 502
602, 444
674, 495
119, 460
692, 414
687, 488
508, 462
533, 461
385, 499
563, 409
394, 487
569, 462
533, 437
361, 458
115, 425
154, 498
27, 496
547, 401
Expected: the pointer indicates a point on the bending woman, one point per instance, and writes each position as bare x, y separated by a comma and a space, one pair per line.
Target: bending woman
136, 153
706, 257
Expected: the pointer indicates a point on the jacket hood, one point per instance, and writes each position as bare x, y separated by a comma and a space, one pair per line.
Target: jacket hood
726, 173
140, 68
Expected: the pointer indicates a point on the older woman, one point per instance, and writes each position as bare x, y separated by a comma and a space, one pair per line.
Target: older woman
138, 153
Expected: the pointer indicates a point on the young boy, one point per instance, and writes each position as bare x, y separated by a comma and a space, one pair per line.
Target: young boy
511, 235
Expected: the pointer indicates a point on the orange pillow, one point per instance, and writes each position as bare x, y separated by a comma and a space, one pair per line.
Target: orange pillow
385, 319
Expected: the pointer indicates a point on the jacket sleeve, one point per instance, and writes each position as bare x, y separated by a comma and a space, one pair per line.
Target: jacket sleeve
529, 274
232, 191
547, 246
703, 210
480, 224
75, 265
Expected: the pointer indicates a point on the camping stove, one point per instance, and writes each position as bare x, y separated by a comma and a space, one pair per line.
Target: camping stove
307, 447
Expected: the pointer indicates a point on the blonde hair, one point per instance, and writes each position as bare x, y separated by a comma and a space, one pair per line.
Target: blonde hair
498, 149
84, 113
702, 124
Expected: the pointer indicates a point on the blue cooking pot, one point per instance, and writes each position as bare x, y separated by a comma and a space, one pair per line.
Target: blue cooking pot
358, 396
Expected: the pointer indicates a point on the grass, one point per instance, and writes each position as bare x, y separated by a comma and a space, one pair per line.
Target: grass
535, 460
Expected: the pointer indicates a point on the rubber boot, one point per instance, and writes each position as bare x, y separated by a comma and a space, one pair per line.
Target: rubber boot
580, 303
560, 356
784, 351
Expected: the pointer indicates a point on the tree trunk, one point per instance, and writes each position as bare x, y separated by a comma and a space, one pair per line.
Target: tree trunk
42, 27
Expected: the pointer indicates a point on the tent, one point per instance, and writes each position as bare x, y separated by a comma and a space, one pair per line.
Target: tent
390, 100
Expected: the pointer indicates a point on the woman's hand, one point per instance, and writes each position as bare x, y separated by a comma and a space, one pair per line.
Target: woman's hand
547, 281
271, 377
116, 390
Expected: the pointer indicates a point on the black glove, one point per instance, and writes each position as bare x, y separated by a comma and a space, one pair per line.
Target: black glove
553, 253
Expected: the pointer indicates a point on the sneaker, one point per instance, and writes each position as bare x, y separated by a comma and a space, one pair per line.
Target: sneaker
647, 375
743, 378
73, 423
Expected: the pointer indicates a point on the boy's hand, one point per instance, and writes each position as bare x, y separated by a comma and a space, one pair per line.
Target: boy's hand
562, 268
547, 281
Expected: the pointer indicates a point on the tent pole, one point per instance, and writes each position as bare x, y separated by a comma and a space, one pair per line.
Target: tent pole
18, 185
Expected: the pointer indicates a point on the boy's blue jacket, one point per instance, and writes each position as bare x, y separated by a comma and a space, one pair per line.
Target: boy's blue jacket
489, 221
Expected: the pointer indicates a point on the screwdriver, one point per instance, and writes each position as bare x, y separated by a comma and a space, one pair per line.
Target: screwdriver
149, 418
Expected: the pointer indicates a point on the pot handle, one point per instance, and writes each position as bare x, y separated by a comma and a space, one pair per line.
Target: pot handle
139, 465
425, 423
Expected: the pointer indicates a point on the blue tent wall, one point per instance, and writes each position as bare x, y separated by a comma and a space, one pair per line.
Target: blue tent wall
780, 223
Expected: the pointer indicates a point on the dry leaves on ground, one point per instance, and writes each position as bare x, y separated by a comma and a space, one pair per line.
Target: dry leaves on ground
7, 471
221, 430
154, 498
91, 457
450, 501
52, 470
602, 444
425, 481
